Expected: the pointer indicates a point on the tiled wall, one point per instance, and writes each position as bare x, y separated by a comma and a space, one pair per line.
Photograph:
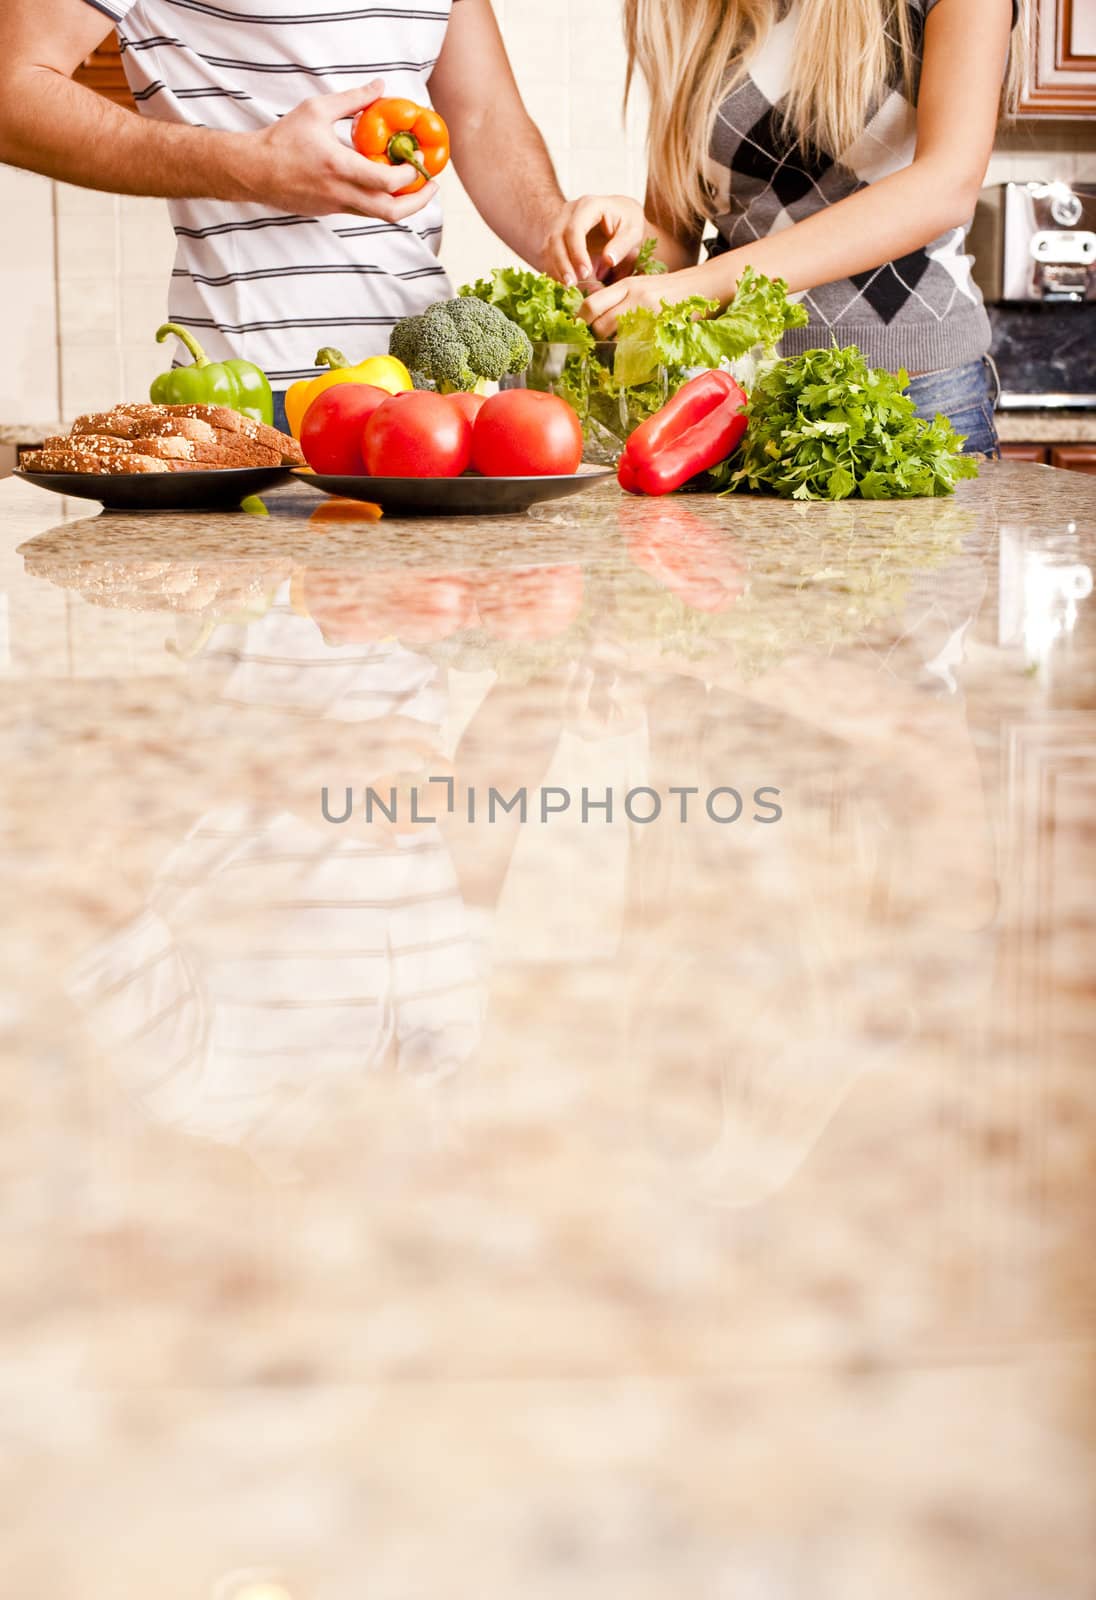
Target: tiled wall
86, 285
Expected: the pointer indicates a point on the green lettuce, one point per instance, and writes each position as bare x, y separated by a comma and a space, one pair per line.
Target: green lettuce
695, 333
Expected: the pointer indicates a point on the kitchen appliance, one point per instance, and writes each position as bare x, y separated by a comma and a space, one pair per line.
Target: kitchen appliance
1034, 246
1036, 242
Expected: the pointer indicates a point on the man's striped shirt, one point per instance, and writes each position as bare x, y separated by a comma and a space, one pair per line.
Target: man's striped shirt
256, 283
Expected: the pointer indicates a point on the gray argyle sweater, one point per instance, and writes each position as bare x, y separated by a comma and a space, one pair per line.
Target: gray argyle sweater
922, 312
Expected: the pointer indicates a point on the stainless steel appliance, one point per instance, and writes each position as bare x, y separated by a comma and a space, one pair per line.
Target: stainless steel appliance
1034, 246
1036, 242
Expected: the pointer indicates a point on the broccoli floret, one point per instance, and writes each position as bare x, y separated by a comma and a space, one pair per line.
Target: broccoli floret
458, 344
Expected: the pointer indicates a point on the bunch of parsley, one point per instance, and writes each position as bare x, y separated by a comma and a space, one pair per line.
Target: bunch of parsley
825, 425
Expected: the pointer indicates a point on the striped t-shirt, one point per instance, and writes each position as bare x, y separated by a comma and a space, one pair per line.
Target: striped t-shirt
250, 281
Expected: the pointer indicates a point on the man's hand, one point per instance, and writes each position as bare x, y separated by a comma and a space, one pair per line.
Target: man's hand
594, 236
300, 165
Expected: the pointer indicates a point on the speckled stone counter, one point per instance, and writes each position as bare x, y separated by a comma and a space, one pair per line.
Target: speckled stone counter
1047, 427
684, 1188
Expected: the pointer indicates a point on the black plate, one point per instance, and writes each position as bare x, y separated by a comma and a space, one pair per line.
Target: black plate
469, 495
217, 489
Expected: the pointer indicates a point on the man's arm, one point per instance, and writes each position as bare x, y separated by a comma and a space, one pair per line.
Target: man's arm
504, 164
51, 125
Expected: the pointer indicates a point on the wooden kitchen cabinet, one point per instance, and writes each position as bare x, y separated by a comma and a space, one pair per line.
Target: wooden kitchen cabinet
1074, 457
102, 71
1024, 452
1061, 76
1071, 457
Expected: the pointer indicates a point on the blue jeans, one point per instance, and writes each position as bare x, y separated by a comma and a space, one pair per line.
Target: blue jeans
966, 396
279, 411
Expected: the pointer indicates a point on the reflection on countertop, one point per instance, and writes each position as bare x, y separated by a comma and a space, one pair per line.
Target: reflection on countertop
632, 1197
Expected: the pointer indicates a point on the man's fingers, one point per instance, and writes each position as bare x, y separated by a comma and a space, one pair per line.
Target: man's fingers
366, 174
387, 207
583, 220
625, 235
336, 107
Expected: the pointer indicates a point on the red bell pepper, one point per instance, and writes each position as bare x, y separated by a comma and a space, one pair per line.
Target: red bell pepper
695, 430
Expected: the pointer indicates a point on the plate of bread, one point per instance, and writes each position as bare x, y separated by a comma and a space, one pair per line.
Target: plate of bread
145, 457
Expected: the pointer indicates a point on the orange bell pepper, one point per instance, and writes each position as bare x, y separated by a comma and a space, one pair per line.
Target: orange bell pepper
397, 132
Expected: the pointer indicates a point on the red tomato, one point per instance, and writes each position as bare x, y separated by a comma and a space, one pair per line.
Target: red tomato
524, 433
331, 429
417, 435
470, 405
530, 603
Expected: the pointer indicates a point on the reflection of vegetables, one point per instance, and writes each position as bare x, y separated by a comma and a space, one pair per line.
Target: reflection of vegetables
457, 344
647, 264
825, 426
417, 436
397, 132
530, 604
338, 510
240, 385
331, 433
521, 432
417, 608
686, 555
698, 428
687, 334
382, 371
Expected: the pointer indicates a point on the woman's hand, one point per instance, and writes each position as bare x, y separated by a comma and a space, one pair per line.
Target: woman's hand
604, 306
594, 235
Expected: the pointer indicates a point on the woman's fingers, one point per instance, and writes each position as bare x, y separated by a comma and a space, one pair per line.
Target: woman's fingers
602, 309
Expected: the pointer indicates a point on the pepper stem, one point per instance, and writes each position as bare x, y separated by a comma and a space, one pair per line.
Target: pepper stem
330, 357
403, 149
185, 337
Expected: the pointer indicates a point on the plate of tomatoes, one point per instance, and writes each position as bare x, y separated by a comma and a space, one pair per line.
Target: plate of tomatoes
422, 453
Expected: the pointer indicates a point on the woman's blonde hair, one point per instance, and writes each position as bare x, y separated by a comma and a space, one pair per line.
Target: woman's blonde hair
691, 53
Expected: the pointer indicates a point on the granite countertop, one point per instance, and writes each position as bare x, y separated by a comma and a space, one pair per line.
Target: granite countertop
1047, 427
572, 1206
20, 433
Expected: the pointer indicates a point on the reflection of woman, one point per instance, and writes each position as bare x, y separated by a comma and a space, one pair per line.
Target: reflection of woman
839, 144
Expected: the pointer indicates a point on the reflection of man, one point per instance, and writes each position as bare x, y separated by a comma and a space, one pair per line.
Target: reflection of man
287, 239
281, 962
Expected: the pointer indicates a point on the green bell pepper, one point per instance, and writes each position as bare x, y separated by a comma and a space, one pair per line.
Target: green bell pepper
240, 385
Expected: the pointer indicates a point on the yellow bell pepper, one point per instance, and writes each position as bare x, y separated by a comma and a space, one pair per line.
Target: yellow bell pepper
384, 372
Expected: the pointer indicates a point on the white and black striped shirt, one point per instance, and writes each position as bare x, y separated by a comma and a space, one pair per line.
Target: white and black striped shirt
255, 283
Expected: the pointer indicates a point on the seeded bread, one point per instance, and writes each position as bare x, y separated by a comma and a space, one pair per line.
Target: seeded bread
71, 456
243, 441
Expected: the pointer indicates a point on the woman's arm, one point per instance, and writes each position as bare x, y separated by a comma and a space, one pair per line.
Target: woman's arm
966, 46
